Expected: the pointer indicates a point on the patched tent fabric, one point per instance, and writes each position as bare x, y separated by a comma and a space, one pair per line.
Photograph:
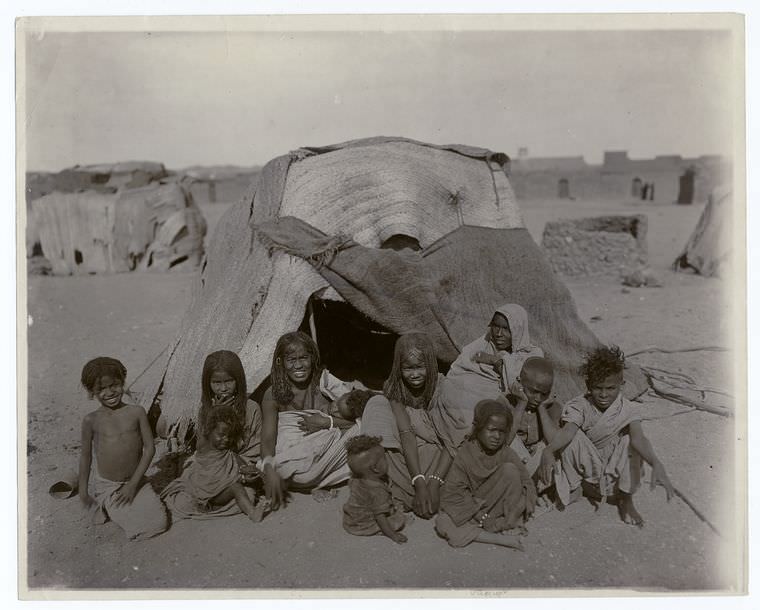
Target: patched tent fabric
708, 250
316, 223
153, 227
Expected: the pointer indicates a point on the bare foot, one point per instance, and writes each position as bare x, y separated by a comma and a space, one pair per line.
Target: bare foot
627, 510
324, 495
512, 542
518, 530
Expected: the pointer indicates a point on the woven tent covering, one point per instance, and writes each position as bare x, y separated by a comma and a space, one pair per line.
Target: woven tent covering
708, 250
316, 223
154, 227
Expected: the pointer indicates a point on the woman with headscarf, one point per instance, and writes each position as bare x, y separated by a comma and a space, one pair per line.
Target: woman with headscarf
486, 369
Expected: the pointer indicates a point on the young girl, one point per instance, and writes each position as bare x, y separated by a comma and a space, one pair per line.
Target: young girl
488, 490
417, 461
118, 436
212, 486
301, 442
594, 444
223, 384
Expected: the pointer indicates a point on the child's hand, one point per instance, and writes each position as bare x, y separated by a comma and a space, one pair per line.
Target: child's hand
547, 466
517, 390
434, 489
126, 494
87, 500
660, 476
422, 505
548, 402
399, 538
485, 358
313, 423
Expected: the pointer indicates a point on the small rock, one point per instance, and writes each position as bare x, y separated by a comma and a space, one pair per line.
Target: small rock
626, 291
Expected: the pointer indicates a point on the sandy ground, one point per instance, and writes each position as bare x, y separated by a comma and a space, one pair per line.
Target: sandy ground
132, 317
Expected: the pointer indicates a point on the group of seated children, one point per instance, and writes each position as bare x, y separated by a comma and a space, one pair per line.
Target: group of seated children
516, 449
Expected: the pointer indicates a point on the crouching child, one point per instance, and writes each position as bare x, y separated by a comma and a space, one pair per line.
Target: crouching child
370, 509
488, 493
601, 441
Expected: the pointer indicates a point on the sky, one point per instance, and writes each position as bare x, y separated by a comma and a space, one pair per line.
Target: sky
209, 98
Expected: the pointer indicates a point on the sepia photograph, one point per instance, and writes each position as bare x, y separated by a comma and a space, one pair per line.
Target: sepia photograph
381, 305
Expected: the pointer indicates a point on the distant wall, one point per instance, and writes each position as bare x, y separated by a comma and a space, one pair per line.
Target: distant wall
223, 190
614, 179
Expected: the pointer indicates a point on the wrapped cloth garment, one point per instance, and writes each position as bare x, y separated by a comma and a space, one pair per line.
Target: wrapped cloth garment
600, 452
468, 382
497, 484
310, 461
378, 420
143, 518
210, 473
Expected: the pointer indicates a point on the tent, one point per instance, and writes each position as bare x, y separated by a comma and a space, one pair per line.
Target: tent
357, 243
113, 218
708, 250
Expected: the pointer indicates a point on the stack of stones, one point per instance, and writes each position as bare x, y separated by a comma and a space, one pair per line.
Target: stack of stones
603, 245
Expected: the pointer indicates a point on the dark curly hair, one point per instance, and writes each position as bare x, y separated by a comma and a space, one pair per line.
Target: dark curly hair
224, 415
361, 443
100, 367
601, 363
281, 386
357, 400
395, 388
229, 362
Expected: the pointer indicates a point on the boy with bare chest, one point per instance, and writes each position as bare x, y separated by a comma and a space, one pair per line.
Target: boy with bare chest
118, 435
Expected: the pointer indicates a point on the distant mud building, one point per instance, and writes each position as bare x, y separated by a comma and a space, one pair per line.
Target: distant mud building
664, 179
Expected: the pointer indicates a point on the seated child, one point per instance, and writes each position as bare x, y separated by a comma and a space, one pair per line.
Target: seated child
535, 412
487, 491
601, 441
212, 485
369, 509
119, 437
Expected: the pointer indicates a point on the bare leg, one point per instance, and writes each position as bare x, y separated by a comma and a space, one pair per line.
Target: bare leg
512, 542
240, 495
627, 510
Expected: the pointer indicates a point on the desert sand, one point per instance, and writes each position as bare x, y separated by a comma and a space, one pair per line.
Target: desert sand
133, 316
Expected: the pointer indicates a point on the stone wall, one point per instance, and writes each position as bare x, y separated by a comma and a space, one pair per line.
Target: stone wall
603, 245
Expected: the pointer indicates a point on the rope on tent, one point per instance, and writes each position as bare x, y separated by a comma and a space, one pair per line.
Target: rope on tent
667, 384
150, 364
686, 500
654, 348
663, 383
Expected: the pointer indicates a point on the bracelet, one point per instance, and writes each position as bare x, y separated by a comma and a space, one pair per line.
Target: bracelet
267, 460
332, 423
417, 476
482, 519
435, 477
